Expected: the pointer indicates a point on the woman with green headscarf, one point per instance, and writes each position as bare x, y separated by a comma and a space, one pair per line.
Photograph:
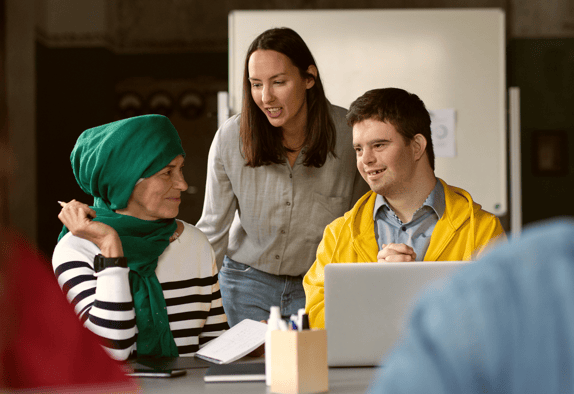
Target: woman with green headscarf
143, 281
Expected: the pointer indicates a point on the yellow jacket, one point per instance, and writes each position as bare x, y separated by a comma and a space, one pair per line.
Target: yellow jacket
462, 232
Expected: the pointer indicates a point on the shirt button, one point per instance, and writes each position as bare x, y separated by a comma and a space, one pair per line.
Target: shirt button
404, 228
290, 175
288, 204
277, 257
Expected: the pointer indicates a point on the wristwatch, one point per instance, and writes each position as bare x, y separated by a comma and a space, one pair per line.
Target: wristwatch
102, 262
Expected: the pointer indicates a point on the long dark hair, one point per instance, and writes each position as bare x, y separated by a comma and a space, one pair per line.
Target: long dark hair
262, 143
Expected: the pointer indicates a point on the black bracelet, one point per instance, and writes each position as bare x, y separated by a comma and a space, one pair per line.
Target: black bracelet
101, 262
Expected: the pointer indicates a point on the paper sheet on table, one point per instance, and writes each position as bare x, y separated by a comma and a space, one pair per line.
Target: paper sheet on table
443, 132
238, 341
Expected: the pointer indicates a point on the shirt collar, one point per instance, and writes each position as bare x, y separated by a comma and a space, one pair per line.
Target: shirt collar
435, 200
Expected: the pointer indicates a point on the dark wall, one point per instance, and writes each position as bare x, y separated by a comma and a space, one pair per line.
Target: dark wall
77, 89
74, 92
543, 69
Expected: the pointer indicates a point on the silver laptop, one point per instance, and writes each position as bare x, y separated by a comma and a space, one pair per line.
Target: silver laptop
368, 304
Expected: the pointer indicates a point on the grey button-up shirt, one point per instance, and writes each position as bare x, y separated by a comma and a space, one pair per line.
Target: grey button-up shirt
417, 232
273, 217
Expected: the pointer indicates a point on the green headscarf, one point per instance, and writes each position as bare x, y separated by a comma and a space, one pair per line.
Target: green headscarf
107, 162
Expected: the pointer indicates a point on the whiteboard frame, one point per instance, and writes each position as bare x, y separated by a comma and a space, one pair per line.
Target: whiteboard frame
450, 58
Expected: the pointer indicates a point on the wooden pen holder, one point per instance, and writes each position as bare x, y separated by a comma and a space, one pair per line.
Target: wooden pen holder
299, 362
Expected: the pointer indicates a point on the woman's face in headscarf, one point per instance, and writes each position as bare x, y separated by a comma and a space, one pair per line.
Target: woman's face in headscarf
159, 196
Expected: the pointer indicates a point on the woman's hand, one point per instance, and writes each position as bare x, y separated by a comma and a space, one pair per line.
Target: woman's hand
77, 217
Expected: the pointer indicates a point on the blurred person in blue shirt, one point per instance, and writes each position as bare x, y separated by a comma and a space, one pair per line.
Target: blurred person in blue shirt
504, 324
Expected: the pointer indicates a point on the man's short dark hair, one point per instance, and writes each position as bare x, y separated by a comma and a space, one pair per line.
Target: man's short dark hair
404, 110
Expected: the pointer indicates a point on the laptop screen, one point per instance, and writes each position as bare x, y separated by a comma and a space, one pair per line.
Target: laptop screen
367, 306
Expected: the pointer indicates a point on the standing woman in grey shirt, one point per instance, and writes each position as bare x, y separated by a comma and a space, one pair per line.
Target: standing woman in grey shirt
278, 173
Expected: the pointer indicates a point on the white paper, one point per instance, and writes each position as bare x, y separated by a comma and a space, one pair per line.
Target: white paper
238, 341
443, 132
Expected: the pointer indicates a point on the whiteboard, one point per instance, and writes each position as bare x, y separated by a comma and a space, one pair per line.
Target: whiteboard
450, 58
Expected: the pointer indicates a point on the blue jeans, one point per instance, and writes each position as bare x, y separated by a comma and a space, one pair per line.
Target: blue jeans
248, 293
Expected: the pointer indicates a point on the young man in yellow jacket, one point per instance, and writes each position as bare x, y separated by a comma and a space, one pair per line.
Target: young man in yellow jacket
409, 214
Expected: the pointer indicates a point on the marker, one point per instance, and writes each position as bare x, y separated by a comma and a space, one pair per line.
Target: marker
305, 322
282, 325
300, 314
272, 324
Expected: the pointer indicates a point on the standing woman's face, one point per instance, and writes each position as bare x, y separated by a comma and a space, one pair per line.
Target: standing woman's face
279, 90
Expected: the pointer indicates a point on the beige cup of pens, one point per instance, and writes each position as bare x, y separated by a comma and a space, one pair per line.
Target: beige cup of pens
299, 361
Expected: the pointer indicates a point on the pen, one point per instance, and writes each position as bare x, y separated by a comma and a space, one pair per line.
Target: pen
292, 325
63, 204
294, 322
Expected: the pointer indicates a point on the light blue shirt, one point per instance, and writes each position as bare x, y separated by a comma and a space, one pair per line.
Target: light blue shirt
416, 233
501, 325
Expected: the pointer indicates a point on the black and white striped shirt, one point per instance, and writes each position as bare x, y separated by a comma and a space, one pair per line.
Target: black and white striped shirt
103, 301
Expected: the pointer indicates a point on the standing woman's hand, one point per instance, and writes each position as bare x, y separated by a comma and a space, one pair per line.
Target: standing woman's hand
77, 217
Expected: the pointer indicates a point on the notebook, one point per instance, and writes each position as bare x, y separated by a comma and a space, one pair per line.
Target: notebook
368, 304
238, 341
249, 372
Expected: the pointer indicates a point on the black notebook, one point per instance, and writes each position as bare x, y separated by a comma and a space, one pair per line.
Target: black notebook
250, 372
147, 362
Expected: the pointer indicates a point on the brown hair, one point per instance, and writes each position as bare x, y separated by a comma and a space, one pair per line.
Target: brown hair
262, 143
404, 110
